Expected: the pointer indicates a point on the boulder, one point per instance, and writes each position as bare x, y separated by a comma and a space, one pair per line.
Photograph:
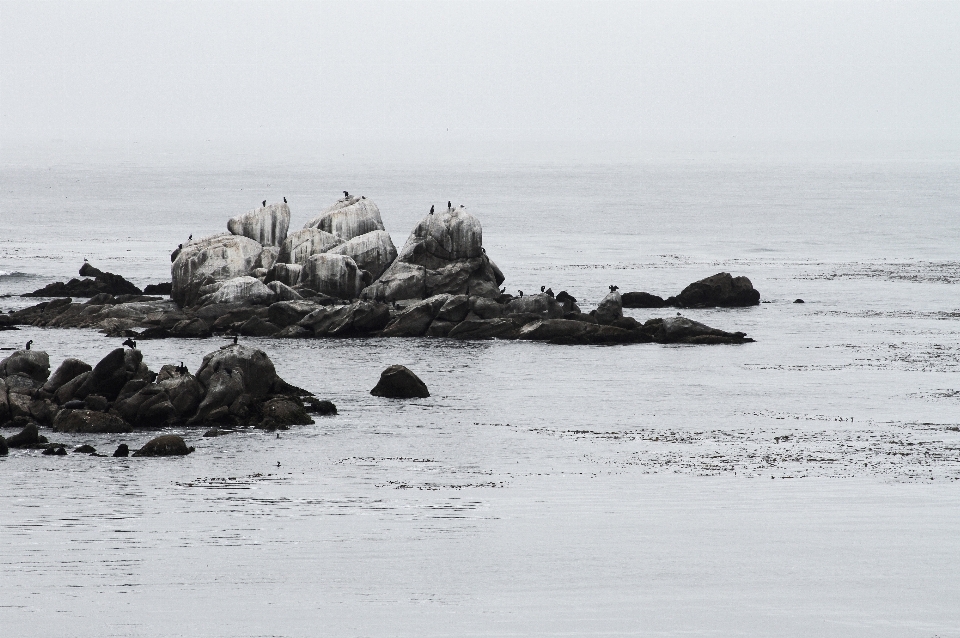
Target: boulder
163, 289
184, 392
212, 259
55, 450
28, 437
258, 374
68, 370
300, 245
287, 313
541, 305
4, 403
443, 238
195, 328
97, 403
284, 292
223, 388
348, 218
373, 251
33, 363
415, 319
267, 258
334, 275
150, 407
720, 290
86, 448
454, 309
485, 308
357, 318
244, 289
257, 327
267, 225
683, 330
19, 404
439, 328
610, 308
67, 391
4, 449
642, 300
285, 411
484, 329
166, 445
398, 382
287, 274
122, 451
399, 281
111, 373
101, 282
319, 406
88, 421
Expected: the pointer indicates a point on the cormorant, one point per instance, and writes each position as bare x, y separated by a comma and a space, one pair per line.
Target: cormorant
543, 288
84, 259
29, 343
503, 290
180, 246
131, 343
190, 238
346, 195
431, 209
614, 288
278, 463
521, 293
182, 369
264, 203
449, 206
234, 339
284, 200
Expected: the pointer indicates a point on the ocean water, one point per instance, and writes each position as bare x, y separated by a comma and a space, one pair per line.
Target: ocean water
541, 490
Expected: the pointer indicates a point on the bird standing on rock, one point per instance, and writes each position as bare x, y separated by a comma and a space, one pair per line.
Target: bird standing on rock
131, 343
284, 200
346, 195
264, 203
431, 209
614, 288
521, 293
543, 288
449, 206
29, 343
234, 339
190, 238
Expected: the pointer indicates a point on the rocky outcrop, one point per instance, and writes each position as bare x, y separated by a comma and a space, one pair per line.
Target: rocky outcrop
210, 260
349, 218
541, 304
166, 445
642, 300
683, 330
112, 373
89, 421
373, 251
258, 374
357, 318
101, 282
287, 274
333, 275
267, 225
28, 437
300, 245
241, 290
416, 318
398, 382
721, 290
284, 411
32, 363
610, 308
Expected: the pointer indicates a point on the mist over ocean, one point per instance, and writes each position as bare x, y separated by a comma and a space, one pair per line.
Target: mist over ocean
541, 489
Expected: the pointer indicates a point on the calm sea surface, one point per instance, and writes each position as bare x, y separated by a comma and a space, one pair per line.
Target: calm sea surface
540, 490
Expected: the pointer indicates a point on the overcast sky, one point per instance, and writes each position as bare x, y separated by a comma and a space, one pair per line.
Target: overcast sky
666, 72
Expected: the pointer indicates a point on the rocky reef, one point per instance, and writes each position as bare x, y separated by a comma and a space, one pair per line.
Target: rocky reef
341, 276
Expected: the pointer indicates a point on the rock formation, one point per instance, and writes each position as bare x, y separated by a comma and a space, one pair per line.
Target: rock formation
267, 225
211, 260
300, 245
398, 382
349, 218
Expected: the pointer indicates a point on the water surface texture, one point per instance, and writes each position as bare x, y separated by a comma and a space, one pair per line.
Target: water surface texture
805, 484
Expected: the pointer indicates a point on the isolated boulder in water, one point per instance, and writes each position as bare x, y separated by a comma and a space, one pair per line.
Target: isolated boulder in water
398, 382
642, 300
212, 259
33, 363
102, 282
300, 245
166, 445
610, 308
267, 226
349, 218
333, 275
720, 290
373, 251
27, 437
88, 421
242, 290
259, 375
285, 411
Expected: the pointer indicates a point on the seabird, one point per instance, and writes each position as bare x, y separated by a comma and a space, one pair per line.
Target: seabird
264, 203
278, 463
503, 290
190, 237
84, 259
29, 343
182, 369
284, 200
234, 339
449, 206
431, 209
131, 343
521, 293
180, 246
614, 288
346, 195
543, 288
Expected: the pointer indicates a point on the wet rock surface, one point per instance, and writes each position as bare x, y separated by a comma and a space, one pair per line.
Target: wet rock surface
398, 382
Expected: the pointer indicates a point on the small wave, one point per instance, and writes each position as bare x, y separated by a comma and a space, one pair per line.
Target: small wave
17, 274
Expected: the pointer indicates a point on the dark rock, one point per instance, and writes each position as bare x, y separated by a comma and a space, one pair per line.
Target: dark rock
683, 330
85, 449
565, 297
285, 411
798, 301
19, 404
55, 450
29, 436
111, 373
69, 389
74, 404
191, 329
484, 329
103, 282
257, 327
486, 308
68, 370
720, 290
223, 388
257, 371
542, 305
398, 382
4, 448
548, 329
159, 289
440, 328
294, 332
166, 445
626, 323
642, 300
122, 451
415, 319
454, 309
155, 332
287, 313
88, 421
184, 392
43, 410
96, 403
33, 363
150, 407
357, 318
318, 406
212, 432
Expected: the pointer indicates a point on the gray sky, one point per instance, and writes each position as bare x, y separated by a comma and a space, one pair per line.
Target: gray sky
480, 72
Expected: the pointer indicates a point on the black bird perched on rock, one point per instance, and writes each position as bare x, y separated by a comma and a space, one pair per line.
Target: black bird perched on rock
521, 293
284, 200
190, 237
614, 288
543, 288
84, 259
346, 195
264, 203
503, 290
182, 369
449, 206
234, 339
180, 246
431, 209
131, 343
29, 343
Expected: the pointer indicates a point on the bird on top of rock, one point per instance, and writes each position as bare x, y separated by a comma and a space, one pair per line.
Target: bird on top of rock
449, 206
503, 290
264, 203
234, 339
84, 260
346, 195
431, 209
180, 246
543, 288
130, 342
182, 369
521, 293
29, 343
284, 200
190, 238
614, 288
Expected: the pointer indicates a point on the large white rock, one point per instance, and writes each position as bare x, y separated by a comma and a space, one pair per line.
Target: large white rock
373, 251
301, 244
442, 238
267, 258
267, 225
288, 274
349, 218
333, 275
208, 260
242, 289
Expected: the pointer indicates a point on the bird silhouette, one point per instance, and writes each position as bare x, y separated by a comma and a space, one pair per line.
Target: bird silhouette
29, 343
431, 209
284, 200
521, 293
190, 237
264, 203
346, 195
614, 288
131, 343
235, 339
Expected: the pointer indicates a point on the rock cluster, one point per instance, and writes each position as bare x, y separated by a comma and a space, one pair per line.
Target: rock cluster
101, 283
235, 386
717, 291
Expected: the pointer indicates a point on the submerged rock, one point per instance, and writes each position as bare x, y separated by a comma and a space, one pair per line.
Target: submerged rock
121, 451
398, 382
28, 437
267, 225
683, 330
166, 445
